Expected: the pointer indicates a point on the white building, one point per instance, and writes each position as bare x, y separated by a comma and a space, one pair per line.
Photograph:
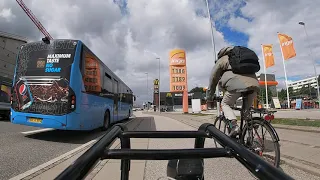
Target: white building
296, 85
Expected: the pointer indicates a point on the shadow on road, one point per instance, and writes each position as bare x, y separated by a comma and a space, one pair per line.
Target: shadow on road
3, 118
71, 137
62, 136
81, 137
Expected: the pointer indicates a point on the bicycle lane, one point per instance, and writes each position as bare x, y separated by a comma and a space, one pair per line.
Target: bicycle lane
218, 168
152, 170
299, 149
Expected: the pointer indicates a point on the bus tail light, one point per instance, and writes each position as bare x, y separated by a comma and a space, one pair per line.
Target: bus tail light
11, 99
73, 102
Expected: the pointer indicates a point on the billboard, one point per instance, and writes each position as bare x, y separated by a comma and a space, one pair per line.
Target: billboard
178, 70
156, 86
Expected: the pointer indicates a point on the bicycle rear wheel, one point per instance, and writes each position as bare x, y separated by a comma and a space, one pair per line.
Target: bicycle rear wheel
263, 146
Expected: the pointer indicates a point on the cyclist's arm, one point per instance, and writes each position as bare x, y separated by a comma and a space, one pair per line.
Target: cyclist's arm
215, 76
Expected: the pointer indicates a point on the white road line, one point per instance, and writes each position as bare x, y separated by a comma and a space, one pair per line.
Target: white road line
27, 173
37, 131
42, 166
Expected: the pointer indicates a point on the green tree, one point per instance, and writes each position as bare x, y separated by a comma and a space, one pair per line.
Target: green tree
262, 95
197, 89
282, 94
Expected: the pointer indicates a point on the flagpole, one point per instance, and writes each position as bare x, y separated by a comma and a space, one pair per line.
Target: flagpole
265, 76
285, 73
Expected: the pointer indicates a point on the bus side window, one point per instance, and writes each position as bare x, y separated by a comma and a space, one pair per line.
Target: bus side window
91, 72
115, 86
107, 83
83, 60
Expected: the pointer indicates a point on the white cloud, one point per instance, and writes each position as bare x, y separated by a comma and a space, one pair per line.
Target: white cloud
120, 40
6, 14
270, 17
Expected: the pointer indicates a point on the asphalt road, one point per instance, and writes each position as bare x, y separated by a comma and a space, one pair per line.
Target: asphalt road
20, 152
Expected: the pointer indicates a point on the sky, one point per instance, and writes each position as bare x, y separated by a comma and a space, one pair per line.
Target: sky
128, 35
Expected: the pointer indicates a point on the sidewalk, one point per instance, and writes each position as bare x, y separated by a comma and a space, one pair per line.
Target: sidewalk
298, 148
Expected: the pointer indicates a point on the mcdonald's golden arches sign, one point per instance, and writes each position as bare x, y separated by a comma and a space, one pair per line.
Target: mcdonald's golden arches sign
156, 82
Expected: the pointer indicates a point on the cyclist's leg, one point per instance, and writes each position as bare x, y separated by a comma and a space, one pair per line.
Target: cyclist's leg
229, 99
250, 99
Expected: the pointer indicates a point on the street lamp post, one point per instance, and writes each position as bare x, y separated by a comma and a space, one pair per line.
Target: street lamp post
214, 53
147, 92
158, 58
314, 63
159, 87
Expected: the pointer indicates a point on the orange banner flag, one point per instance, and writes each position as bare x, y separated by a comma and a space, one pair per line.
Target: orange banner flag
268, 55
286, 45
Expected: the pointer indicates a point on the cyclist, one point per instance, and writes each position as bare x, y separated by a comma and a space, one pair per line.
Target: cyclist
235, 66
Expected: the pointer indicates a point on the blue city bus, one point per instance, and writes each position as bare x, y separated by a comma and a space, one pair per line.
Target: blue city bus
62, 84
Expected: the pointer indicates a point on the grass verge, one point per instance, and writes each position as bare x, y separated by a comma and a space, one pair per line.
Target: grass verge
296, 122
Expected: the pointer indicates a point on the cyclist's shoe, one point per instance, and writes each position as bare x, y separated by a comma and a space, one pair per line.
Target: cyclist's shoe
234, 129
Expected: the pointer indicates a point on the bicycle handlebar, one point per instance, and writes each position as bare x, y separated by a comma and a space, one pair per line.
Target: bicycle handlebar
100, 150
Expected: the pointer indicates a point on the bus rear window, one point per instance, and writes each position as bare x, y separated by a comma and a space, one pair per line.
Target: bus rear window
40, 59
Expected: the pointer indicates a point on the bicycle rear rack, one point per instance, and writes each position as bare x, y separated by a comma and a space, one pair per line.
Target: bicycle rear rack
100, 150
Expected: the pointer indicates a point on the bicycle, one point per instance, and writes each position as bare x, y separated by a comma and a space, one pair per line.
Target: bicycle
183, 164
252, 125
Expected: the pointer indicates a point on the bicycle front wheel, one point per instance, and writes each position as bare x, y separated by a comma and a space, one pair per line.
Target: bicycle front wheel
254, 136
221, 124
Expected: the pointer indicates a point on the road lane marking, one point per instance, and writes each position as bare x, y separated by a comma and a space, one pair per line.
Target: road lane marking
37, 131
27, 173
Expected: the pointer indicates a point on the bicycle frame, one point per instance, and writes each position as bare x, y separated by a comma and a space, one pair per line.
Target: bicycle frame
100, 150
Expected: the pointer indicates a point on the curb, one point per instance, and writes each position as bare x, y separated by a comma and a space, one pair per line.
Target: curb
296, 128
293, 162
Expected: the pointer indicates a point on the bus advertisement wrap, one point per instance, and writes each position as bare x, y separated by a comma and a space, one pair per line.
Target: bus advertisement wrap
41, 84
92, 76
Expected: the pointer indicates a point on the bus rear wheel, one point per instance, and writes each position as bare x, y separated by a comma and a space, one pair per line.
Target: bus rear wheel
106, 121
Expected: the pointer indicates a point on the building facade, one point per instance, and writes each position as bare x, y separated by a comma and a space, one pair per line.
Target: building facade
297, 85
270, 78
172, 101
9, 47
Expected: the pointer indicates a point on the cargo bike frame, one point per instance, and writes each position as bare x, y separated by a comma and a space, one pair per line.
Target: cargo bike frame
100, 150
